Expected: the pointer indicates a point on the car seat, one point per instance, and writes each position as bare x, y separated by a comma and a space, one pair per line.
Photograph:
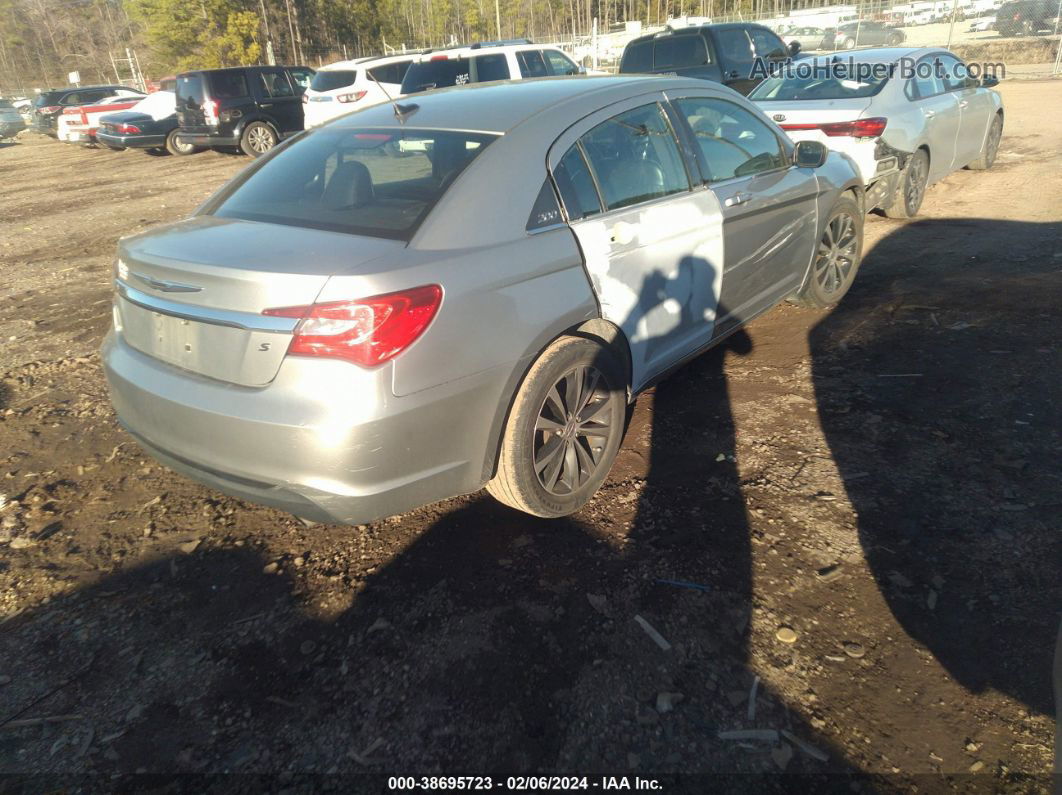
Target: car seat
350, 186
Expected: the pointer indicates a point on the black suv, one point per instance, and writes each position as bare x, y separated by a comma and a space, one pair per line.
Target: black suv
724, 53
252, 107
1024, 17
49, 104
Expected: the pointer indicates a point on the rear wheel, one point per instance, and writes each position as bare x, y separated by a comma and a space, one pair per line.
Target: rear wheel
912, 187
175, 146
849, 43
257, 139
837, 256
564, 430
991, 148
895, 39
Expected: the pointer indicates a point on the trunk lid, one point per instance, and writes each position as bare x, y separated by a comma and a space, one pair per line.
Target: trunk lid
819, 111
192, 294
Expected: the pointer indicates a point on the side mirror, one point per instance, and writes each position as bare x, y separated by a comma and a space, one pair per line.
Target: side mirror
794, 48
989, 81
809, 154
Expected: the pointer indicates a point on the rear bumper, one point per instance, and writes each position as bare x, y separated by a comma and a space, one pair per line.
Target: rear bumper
325, 440
130, 141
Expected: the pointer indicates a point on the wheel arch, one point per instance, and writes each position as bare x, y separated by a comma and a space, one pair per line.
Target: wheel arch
597, 328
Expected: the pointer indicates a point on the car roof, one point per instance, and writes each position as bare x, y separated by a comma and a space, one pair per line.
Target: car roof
485, 48
663, 34
503, 105
375, 60
241, 69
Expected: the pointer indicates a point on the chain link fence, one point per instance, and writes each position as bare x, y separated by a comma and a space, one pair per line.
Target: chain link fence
1023, 35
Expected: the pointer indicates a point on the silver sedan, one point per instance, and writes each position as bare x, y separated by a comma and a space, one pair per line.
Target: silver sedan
416, 301
907, 117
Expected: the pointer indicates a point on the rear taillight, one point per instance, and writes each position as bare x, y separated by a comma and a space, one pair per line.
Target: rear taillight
440, 57
352, 97
210, 111
50, 109
126, 128
860, 128
366, 331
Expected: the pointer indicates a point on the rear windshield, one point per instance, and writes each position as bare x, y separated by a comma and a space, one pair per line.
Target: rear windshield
426, 75
331, 79
190, 90
48, 98
373, 182
828, 85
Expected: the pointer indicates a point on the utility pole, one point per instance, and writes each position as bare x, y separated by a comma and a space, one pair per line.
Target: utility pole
497, 18
951, 27
270, 59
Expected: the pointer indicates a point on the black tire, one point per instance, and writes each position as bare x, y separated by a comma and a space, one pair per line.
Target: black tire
543, 441
895, 38
912, 188
838, 254
987, 157
849, 43
175, 147
156, 151
258, 138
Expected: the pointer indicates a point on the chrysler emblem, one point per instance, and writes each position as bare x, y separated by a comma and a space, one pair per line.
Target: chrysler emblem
778, 117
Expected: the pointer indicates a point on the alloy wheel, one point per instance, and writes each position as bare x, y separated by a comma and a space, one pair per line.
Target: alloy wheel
572, 430
260, 138
916, 183
836, 253
994, 136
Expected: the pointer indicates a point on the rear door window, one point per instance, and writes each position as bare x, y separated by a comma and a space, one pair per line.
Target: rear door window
635, 157
491, 67
301, 77
376, 182
531, 63
638, 57
228, 85
390, 73
576, 185
679, 52
437, 73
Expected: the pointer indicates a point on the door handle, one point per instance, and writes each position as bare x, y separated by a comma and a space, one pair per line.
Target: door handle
929, 114
623, 233
736, 199
267, 104
964, 103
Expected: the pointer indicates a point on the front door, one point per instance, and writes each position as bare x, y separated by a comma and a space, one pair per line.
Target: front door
279, 100
976, 110
769, 206
940, 115
652, 245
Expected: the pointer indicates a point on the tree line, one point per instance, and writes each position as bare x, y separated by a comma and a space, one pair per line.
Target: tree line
41, 41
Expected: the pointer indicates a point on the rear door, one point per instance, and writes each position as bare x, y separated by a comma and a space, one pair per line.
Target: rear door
191, 94
976, 110
684, 54
532, 64
278, 99
768, 205
652, 244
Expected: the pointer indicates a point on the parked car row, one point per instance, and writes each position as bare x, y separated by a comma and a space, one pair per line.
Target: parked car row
622, 226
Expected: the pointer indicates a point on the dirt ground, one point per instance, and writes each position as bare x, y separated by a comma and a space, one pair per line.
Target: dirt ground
882, 480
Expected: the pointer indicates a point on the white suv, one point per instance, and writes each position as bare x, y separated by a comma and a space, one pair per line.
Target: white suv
491, 60
347, 86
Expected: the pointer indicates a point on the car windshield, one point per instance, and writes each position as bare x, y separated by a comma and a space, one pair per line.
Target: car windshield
375, 182
437, 73
823, 84
331, 79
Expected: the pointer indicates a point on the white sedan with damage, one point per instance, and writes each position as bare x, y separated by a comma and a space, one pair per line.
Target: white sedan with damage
907, 117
